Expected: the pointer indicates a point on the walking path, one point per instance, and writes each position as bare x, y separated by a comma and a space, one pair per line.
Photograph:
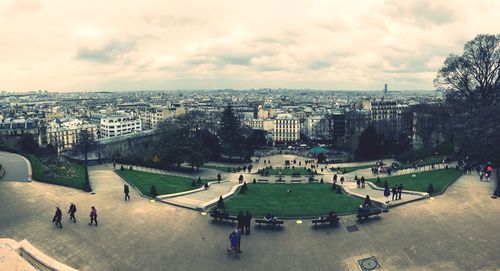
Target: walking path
456, 231
17, 168
202, 199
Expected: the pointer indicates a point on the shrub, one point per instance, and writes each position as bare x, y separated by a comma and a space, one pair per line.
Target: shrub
130, 168
430, 189
254, 181
121, 167
321, 181
153, 191
220, 204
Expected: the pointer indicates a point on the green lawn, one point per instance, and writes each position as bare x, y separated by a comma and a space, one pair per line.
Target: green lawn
429, 160
439, 179
220, 168
164, 184
289, 171
77, 181
304, 200
351, 169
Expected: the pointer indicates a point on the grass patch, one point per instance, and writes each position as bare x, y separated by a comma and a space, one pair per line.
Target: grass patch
435, 159
344, 170
75, 180
164, 184
220, 168
304, 200
438, 178
290, 171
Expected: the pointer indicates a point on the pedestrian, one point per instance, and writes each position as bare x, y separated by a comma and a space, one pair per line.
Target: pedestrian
57, 218
400, 190
234, 241
205, 185
387, 193
240, 179
335, 178
72, 211
241, 221
219, 178
358, 182
126, 191
481, 175
342, 180
93, 216
394, 192
363, 181
114, 164
248, 221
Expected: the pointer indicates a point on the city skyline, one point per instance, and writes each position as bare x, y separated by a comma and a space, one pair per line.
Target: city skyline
96, 46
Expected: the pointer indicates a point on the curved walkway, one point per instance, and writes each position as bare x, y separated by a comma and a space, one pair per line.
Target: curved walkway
17, 168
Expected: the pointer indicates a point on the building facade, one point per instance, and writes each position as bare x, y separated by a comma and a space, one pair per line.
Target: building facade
118, 125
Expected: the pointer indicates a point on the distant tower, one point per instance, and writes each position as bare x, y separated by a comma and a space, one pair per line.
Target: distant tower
385, 89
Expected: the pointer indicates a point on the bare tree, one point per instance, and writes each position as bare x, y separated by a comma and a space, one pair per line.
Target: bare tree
84, 146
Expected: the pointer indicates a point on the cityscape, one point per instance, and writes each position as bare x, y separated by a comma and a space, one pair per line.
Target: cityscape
195, 136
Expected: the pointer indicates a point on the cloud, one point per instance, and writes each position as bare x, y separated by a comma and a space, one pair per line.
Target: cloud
332, 44
108, 53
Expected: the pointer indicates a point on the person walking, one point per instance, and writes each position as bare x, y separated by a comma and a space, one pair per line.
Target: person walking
72, 211
126, 191
93, 216
248, 222
57, 217
387, 193
241, 221
363, 181
358, 182
219, 178
394, 192
234, 241
400, 190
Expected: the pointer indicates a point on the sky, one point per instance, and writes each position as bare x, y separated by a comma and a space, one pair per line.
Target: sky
88, 45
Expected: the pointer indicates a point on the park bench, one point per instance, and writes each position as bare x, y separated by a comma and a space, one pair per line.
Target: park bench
280, 180
333, 221
296, 180
272, 223
368, 213
262, 180
221, 217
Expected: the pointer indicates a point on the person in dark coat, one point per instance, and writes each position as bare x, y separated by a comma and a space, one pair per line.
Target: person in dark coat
400, 190
57, 218
363, 181
93, 216
342, 180
219, 178
241, 221
394, 192
248, 221
126, 191
71, 212
358, 182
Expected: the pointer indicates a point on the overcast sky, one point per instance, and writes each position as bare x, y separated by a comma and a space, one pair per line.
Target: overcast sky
69, 45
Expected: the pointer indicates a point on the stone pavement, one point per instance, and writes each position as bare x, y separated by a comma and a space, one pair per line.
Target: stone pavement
16, 167
199, 199
456, 231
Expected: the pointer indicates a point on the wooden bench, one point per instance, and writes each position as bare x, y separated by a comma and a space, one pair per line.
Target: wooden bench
265, 222
296, 180
333, 221
262, 180
220, 217
368, 214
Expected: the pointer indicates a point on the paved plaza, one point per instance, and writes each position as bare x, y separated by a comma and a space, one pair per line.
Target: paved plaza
455, 231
